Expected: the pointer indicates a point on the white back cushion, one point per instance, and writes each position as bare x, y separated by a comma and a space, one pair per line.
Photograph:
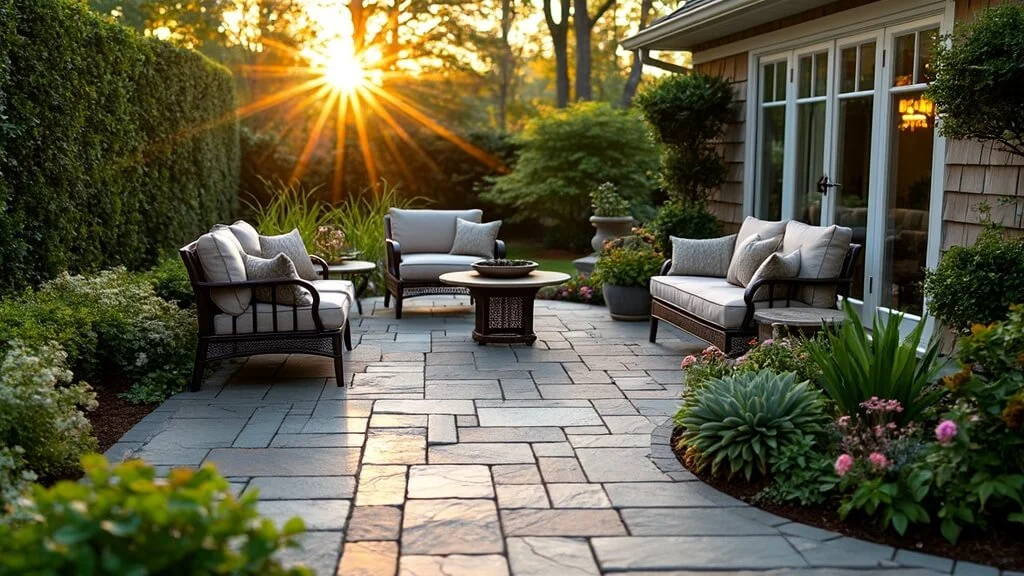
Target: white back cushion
246, 235
822, 250
763, 228
221, 257
431, 231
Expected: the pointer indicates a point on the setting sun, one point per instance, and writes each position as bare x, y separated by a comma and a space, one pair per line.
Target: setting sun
341, 67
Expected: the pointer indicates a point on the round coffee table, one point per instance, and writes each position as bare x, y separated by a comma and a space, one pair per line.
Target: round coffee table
360, 269
806, 321
504, 306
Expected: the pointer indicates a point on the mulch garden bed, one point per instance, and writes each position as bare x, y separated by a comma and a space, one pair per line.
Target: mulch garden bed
1002, 546
114, 416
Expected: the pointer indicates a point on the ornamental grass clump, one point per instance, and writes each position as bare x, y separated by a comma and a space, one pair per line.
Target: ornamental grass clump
737, 423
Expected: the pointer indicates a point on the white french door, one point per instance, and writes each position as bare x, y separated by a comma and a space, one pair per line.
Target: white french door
848, 138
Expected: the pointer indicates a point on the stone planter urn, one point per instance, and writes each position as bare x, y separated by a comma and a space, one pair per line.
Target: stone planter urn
629, 303
609, 228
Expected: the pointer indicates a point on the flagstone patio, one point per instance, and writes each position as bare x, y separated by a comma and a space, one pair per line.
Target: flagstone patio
443, 457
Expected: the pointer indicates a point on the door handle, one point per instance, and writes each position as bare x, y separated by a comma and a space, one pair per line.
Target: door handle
824, 185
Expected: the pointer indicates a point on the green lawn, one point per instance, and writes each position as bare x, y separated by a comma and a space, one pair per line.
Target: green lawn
548, 259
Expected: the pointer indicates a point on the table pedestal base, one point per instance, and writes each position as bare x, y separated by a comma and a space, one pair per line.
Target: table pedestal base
504, 315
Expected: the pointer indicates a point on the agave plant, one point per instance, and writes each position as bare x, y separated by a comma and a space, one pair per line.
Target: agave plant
743, 420
856, 367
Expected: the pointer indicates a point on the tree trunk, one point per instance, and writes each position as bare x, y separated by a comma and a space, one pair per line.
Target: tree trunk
560, 42
583, 29
637, 68
505, 64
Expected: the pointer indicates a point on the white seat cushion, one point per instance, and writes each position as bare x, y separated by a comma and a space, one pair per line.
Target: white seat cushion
428, 231
822, 251
342, 286
712, 299
430, 266
334, 307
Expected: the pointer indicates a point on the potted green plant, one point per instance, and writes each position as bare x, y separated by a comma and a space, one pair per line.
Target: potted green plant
611, 215
625, 269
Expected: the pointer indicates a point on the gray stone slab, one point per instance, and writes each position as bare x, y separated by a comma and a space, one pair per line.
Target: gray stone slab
343, 409
691, 522
171, 456
655, 495
539, 522
578, 496
441, 429
589, 391
334, 425
395, 446
317, 440
450, 481
522, 496
462, 389
511, 434
317, 551
285, 461
472, 373
451, 526
614, 407
453, 565
695, 553
843, 553
516, 474
534, 403
196, 433
374, 523
398, 421
303, 487
538, 417
386, 383
481, 453
537, 556
628, 424
424, 407
920, 560
561, 470
317, 514
553, 449
619, 465
368, 559
972, 569
381, 485
610, 440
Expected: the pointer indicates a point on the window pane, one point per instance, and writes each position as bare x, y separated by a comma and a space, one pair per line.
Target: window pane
903, 61
820, 74
810, 160
768, 84
853, 168
804, 74
848, 70
867, 67
925, 49
773, 130
780, 81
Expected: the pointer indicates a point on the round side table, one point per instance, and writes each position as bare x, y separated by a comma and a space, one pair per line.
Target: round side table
504, 306
806, 321
360, 270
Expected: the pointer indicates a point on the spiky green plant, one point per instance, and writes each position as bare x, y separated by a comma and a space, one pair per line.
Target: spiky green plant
739, 422
291, 207
856, 366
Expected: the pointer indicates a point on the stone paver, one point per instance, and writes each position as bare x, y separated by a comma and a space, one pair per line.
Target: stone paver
448, 458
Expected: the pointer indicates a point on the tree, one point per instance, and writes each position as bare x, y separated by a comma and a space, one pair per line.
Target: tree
559, 30
978, 79
637, 67
568, 153
583, 26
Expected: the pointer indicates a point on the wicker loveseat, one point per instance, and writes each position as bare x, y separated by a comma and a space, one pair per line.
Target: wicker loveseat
419, 243
249, 327
722, 313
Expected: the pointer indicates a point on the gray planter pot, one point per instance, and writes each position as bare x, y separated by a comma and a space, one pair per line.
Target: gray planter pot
609, 228
628, 303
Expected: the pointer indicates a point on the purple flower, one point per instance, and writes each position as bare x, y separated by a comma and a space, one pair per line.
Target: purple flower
946, 431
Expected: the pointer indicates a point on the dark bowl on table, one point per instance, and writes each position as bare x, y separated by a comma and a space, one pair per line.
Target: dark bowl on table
504, 268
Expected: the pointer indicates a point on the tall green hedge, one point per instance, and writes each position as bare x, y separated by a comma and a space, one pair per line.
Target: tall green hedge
113, 147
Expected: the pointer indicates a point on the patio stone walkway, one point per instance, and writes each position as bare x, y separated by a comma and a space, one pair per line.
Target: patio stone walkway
448, 458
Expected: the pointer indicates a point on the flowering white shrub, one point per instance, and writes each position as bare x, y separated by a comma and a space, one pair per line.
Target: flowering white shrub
41, 412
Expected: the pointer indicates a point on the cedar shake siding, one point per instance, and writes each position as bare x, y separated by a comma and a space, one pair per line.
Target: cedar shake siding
727, 202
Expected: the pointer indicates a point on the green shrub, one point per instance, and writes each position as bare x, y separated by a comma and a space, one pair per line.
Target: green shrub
629, 261
15, 478
170, 281
856, 368
111, 325
801, 473
683, 220
126, 521
114, 148
699, 369
978, 78
567, 153
41, 410
606, 201
688, 113
781, 355
977, 284
740, 422
584, 289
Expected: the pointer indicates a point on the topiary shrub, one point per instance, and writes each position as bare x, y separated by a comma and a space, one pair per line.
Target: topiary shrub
125, 520
683, 220
738, 423
978, 78
977, 284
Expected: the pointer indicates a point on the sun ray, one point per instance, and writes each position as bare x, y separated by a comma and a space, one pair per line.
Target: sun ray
364, 140
314, 137
397, 157
339, 149
278, 97
402, 133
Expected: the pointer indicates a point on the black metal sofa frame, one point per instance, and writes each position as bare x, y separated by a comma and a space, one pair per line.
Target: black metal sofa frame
212, 346
735, 341
400, 289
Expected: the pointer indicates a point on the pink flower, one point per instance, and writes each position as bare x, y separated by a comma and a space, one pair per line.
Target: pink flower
843, 464
844, 421
946, 431
688, 361
878, 460
768, 342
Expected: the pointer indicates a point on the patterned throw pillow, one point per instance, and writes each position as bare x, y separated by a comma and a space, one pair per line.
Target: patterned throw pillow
472, 239
292, 246
701, 257
275, 268
777, 266
749, 256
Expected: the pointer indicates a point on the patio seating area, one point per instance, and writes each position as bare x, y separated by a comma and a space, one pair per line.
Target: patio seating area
446, 457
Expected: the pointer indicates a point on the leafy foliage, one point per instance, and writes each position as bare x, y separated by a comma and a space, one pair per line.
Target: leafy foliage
977, 283
114, 148
111, 325
978, 78
606, 201
683, 220
585, 289
688, 113
743, 420
124, 520
170, 281
15, 479
41, 412
699, 369
781, 355
629, 261
801, 473
567, 153
855, 367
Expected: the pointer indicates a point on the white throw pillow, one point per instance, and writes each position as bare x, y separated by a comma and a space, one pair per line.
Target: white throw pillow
292, 246
822, 251
777, 266
279, 266
749, 256
221, 257
246, 235
704, 257
472, 239
763, 228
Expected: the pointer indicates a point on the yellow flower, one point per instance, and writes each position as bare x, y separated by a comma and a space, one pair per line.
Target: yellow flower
955, 381
1013, 414
978, 329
